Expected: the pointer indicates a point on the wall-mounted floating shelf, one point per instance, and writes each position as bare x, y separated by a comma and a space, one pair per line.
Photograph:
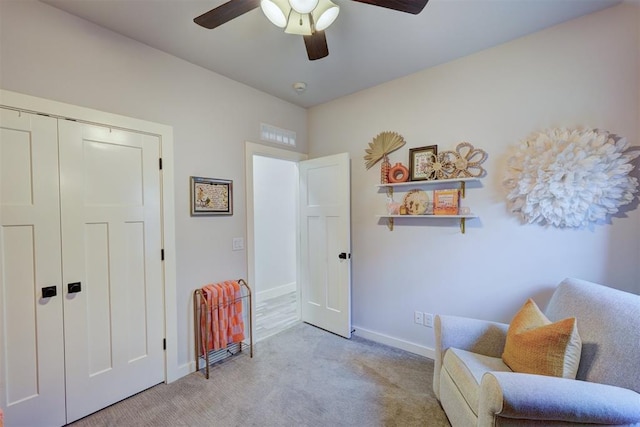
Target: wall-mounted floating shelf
462, 218
404, 186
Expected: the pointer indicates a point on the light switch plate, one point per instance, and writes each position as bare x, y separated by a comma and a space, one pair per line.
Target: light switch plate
238, 243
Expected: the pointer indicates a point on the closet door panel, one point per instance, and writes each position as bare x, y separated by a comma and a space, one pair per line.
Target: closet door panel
31, 333
110, 186
98, 297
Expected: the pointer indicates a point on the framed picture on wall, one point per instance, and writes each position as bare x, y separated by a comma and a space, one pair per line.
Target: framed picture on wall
419, 159
210, 196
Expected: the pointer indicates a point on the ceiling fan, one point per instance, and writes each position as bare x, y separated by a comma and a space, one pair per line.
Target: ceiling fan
308, 18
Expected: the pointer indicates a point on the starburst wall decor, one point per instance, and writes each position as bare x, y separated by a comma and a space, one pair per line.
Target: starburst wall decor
569, 178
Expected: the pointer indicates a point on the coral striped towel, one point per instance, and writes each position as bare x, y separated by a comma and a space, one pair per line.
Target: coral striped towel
209, 318
236, 324
221, 320
223, 314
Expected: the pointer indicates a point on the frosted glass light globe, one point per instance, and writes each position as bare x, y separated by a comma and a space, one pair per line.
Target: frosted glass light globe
327, 18
303, 6
273, 13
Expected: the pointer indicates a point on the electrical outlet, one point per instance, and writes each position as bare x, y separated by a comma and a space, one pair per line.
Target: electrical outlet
418, 317
428, 320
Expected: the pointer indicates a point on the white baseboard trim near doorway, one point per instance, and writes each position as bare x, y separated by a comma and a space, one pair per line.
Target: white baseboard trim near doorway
395, 342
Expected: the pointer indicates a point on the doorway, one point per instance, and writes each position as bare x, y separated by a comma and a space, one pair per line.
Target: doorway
322, 234
275, 185
272, 237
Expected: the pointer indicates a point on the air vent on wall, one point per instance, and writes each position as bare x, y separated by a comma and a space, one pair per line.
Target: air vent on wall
277, 135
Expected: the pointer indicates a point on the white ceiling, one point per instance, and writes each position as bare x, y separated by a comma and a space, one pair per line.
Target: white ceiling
368, 45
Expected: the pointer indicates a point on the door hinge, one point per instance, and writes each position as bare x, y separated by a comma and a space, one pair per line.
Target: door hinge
161, 254
164, 343
160, 163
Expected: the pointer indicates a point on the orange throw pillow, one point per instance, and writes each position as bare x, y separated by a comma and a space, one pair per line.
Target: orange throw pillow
536, 346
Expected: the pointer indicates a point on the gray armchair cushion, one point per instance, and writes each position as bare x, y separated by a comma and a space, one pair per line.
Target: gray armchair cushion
466, 370
609, 325
543, 398
478, 336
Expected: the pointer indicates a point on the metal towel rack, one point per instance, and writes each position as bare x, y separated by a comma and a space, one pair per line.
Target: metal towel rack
210, 357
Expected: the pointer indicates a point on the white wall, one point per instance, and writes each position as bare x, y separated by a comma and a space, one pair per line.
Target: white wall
275, 186
583, 73
67, 59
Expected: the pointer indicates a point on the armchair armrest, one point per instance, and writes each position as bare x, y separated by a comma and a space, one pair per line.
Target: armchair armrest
543, 398
479, 336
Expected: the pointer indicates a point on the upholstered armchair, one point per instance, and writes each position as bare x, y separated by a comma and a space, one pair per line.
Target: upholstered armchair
476, 388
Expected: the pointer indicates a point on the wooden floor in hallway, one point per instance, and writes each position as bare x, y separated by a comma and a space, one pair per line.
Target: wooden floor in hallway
276, 314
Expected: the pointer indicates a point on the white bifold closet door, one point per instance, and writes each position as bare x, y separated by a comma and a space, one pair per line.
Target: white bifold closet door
31, 328
92, 195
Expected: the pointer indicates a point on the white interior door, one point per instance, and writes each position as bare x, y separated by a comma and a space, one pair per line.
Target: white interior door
325, 243
31, 335
111, 240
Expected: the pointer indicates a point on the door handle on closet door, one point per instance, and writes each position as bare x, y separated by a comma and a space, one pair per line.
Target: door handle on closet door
74, 288
49, 291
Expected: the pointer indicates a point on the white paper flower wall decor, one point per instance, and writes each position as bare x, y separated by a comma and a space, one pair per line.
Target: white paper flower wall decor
569, 178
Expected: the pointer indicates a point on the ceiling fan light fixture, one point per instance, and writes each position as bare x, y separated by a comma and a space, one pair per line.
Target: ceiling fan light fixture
303, 6
276, 11
299, 24
325, 14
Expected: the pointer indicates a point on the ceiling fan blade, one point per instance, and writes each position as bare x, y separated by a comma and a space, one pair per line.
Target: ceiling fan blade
225, 13
316, 45
408, 6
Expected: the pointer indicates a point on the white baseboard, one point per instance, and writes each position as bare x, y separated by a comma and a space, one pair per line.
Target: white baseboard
184, 370
395, 342
276, 292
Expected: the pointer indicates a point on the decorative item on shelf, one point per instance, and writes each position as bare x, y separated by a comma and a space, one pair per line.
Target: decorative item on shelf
416, 202
569, 177
440, 166
467, 161
446, 202
398, 173
385, 167
419, 160
383, 144
464, 162
393, 207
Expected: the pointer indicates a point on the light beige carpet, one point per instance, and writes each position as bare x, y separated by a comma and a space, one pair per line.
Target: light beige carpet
300, 377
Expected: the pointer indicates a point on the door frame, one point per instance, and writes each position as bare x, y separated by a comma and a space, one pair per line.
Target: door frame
21, 102
253, 149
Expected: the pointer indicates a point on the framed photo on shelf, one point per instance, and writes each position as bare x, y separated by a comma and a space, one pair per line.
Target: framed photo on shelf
210, 196
418, 161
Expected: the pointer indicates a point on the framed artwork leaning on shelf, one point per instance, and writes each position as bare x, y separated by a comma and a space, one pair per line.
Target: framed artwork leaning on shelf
419, 159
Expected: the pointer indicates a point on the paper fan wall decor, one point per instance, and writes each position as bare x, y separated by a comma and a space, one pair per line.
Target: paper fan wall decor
383, 144
569, 178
